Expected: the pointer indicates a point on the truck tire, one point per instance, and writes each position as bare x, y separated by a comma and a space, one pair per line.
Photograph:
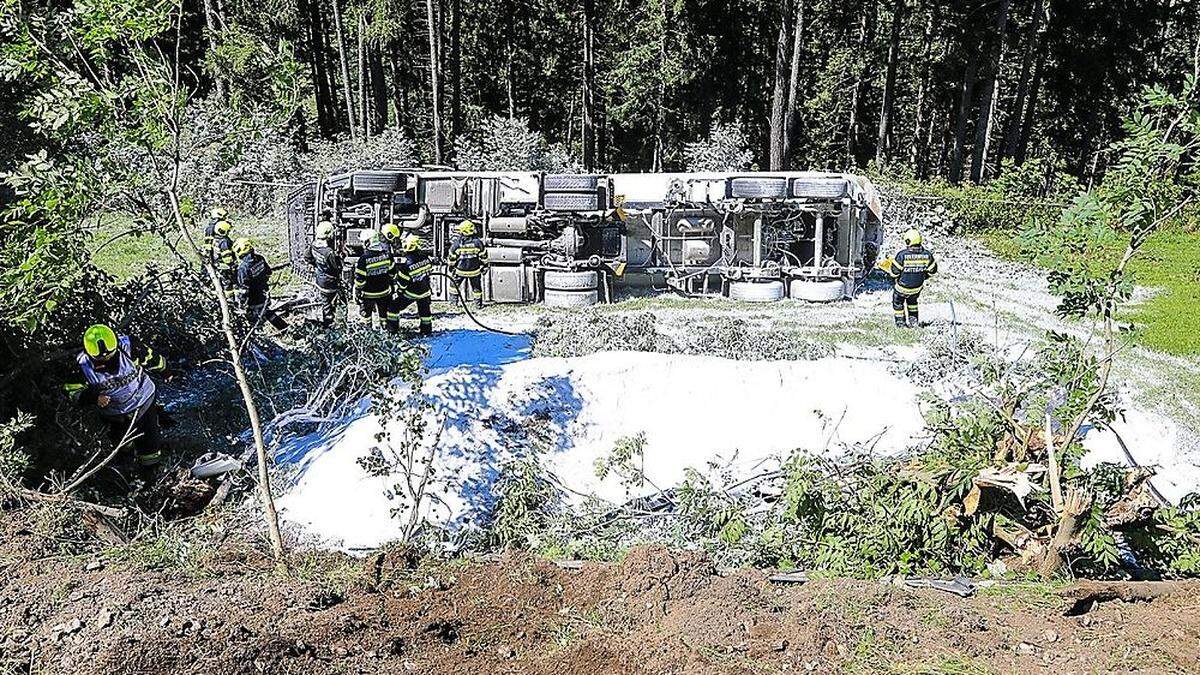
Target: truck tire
572, 201
756, 291
816, 291
568, 182
758, 188
820, 188
571, 298
378, 181
570, 281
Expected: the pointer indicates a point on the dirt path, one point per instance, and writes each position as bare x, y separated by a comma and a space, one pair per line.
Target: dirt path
655, 612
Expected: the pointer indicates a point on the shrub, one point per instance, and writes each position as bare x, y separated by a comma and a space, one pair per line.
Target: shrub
727, 148
508, 144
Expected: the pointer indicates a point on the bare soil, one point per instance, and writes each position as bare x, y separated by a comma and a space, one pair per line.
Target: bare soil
655, 612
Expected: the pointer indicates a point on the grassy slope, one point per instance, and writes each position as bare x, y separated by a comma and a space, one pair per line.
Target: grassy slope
127, 256
1170, 263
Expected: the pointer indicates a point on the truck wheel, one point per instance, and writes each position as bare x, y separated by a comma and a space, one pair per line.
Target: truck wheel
820, 188
377, 181
758, 188
570, 281
816, 291
571, 298
569, 182
572, 201
756, 291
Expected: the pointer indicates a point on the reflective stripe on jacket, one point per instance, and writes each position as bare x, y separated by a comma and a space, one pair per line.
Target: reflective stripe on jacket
222, 252
412, 275
127, 386
468, 256
912, 268
210, 234
373, 273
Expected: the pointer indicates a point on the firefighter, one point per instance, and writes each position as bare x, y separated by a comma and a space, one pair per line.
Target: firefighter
254, 279
468, 259
215, 216
412, 283
221, 254
373, 282
327, 267
909, 269
115, 371
395, 242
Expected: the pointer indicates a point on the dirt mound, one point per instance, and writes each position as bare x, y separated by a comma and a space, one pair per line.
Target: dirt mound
654, 612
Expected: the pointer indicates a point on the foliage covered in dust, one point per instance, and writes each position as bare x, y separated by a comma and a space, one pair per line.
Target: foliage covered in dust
591, 331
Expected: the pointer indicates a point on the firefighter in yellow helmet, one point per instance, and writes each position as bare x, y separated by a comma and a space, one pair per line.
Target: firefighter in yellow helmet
327, 270
910, 268
116, 380
215, 216
468, 260
220, 252
412, 272
374, 285
393, 238
254, 279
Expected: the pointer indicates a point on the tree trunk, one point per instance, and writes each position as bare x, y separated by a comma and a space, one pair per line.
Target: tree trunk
210, 34
447, 130
312, 26
778, 121
1029, 117
889, 84
509, 84
379, 94
364, 85
793, 100
399, 86
239, 373
1033, 42
865, 33
587, 136
435, 81
660, 112
340, 36
983, 127
456, 68
920, 141
964, 111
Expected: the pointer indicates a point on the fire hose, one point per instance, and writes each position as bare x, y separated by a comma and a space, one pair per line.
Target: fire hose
463, 303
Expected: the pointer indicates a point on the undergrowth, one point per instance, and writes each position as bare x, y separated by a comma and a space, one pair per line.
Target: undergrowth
927, 512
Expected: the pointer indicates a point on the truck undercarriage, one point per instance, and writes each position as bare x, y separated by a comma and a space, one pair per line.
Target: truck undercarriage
570, 239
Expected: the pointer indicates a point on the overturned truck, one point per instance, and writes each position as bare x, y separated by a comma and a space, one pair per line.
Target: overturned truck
571, 239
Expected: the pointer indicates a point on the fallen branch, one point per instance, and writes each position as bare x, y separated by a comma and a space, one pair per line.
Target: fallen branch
1075, 503
1087, 594
46, 498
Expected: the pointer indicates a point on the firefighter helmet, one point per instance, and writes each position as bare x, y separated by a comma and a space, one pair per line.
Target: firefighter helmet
412, 243
242, 246
391, 232
219, 213
99, 341
324, 230
912, 237
222, 228
466, 228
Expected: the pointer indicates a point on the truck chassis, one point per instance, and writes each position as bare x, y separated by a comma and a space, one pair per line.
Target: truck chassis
572, 239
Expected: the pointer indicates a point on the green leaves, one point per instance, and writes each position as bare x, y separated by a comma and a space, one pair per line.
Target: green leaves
1089, 247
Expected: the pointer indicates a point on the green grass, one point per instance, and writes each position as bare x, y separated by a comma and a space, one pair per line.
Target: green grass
1170, 263
945, 665
120, 250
